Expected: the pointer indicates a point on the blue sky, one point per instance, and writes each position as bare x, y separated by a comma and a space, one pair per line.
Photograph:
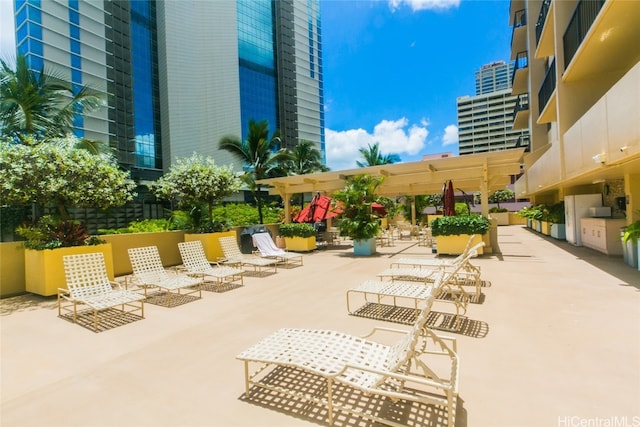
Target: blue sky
392, 70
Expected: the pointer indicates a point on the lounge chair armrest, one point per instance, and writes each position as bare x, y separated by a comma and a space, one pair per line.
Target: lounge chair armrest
416, 379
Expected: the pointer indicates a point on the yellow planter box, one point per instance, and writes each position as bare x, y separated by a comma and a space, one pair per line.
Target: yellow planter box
300, 244
44, 271
165, 241
11, 269
545, 227
211, 243
455, 244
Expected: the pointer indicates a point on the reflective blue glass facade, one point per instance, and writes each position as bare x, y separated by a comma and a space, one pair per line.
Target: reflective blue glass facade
258, 83
144, 66
29, 32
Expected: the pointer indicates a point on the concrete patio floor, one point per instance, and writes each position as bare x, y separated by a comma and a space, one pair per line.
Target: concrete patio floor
556, 343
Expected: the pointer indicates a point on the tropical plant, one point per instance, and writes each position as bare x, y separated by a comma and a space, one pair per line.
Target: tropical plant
304, 159
41, 104
242, 214
195, 181
297, 230
50, 233
60, 174
260, 154
632, 231
357, 219
373, 157
459, 224
531, 212
501, 196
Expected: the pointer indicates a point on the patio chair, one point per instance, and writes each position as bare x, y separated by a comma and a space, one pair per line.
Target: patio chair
195, 262
268, 249
233, 256
401, 371
443, 287
148, 272
88, 284
469, 272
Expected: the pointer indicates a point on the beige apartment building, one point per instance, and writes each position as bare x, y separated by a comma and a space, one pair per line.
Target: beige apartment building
577, 72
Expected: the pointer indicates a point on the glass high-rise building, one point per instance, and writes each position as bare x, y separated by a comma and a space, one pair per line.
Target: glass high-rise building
485, 121
493, 77
179, 75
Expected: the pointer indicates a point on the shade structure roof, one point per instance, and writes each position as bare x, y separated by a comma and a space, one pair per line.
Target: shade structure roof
484, 172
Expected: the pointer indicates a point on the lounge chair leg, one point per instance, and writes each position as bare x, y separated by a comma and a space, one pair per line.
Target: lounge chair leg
330, 400
246, 378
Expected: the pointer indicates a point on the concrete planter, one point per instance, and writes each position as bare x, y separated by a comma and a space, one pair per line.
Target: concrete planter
300, 244
165, 241
455, 244
210, 242
44, 271
11, 269
365, 247
545, 228
558, 231
502, 218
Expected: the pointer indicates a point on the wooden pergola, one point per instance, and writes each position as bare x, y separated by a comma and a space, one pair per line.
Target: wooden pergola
483, 172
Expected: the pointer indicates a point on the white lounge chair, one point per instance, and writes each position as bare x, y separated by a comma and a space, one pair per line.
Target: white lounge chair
268, 249
195, 262
233, 256
148, 272
89, 284
467, 274
443, 287
401, 371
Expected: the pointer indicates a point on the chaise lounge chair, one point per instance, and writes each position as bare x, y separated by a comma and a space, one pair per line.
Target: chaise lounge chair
88, 284
268, 249
443, 288
195, 262
148, 272
233, 256
399, 371
421, 269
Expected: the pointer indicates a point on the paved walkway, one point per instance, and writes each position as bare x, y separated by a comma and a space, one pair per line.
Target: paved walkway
555, 342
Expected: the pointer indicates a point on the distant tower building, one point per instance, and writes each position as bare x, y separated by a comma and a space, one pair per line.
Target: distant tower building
493, 77
485, 121
181, 74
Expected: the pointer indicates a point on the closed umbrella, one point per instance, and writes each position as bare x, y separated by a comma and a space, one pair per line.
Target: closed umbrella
449, 199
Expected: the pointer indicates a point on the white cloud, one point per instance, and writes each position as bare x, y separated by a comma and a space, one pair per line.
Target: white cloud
450, 135
394, 137
7, 36
417, 5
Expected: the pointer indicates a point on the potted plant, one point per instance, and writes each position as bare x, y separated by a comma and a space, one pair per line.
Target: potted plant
298, 237
55, 172
500, 214
453, 232
631, 249
357, 220
197, 184
555, 217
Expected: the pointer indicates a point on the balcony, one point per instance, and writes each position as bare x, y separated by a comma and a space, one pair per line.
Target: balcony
520, 76
599, 39
521, 112
545, 31
524, 141
519, 33
579, 25
546, 95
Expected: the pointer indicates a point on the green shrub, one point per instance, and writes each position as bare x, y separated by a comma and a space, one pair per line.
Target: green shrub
462, 224
297, 230
496, 209
144, 226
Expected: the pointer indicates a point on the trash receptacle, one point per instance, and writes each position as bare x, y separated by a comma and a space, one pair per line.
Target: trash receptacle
246, 242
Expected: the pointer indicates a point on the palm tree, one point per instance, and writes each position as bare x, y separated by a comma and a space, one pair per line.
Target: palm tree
305, 159
373, 157
260, 155
41, 104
